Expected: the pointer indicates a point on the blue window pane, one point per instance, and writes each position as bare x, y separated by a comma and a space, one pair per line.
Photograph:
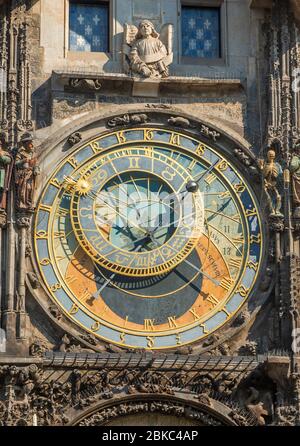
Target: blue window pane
88, 27
200, 32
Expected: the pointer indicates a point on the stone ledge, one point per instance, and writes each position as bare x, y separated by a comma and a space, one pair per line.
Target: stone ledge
173, 86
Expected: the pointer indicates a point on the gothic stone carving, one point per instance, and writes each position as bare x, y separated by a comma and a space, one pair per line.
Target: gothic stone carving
295, 171
128, 119
164, 407
212, 134
146, 53
178, 121
75, 138
26, 170
85, 83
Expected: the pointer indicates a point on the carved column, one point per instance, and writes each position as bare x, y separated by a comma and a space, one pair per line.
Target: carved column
23, 224
18, 117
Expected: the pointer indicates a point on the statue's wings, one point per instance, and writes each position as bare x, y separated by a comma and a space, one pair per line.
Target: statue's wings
166, 36
130, 32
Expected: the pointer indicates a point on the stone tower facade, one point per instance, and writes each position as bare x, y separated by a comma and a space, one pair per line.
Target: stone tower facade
232, 82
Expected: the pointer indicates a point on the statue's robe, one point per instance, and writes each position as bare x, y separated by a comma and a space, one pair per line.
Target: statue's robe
147, 52
25, 180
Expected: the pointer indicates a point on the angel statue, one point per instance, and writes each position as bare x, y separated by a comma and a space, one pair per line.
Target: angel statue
272, 174
146, 53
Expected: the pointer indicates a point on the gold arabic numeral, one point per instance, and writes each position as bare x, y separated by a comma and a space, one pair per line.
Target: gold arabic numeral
175, 139
255, 238
200, 150
41, 234
55, 287
226, 311
95, 326
134, 163
148, 135
121, 137
252, 265
122, 338
149, 324
226, 283
194, 313
204, 328
169, 174
150, 343
210, 178
178, 339
172, 322
243, 291
239, 188
213, 300
74, 309
222, 165
45, 262
95, 146
235, 263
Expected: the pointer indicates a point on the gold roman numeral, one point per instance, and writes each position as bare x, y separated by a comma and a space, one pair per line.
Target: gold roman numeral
213, 300
194, 313
210, 178
172, 322
235, 263
149, 324
226, 283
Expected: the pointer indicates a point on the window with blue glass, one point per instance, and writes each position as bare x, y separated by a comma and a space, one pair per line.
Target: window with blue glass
201, 32
89, 26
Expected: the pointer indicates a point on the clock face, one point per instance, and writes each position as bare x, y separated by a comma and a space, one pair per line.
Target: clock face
148, 238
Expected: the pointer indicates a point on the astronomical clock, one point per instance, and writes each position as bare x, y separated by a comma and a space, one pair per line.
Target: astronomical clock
148, 238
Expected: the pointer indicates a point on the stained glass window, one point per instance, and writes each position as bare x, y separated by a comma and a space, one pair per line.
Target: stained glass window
200, 32
89, 27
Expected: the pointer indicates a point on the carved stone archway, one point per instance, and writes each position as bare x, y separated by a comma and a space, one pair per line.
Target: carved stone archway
185, 410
